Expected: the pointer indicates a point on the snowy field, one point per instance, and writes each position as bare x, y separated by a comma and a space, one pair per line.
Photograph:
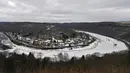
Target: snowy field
102, 45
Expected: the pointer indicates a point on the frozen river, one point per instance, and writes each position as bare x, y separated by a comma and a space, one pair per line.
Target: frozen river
102, 45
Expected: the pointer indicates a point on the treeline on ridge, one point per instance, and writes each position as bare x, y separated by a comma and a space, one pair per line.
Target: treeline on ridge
28, 64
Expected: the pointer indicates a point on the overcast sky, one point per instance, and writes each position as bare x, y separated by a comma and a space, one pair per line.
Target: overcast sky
64, 10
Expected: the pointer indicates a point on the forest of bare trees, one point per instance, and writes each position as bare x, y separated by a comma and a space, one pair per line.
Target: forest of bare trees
110, 63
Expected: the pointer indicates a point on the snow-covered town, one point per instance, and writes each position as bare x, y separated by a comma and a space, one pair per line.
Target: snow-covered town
52, 42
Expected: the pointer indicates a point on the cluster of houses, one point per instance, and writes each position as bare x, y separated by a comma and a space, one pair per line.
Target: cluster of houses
52, 41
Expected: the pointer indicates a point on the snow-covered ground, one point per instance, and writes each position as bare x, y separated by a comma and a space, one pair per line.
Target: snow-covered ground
102, 45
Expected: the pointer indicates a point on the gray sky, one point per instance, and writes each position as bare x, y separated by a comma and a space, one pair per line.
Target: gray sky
64, 10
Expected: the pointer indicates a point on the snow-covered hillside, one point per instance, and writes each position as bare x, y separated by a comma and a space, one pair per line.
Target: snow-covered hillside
102, 45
